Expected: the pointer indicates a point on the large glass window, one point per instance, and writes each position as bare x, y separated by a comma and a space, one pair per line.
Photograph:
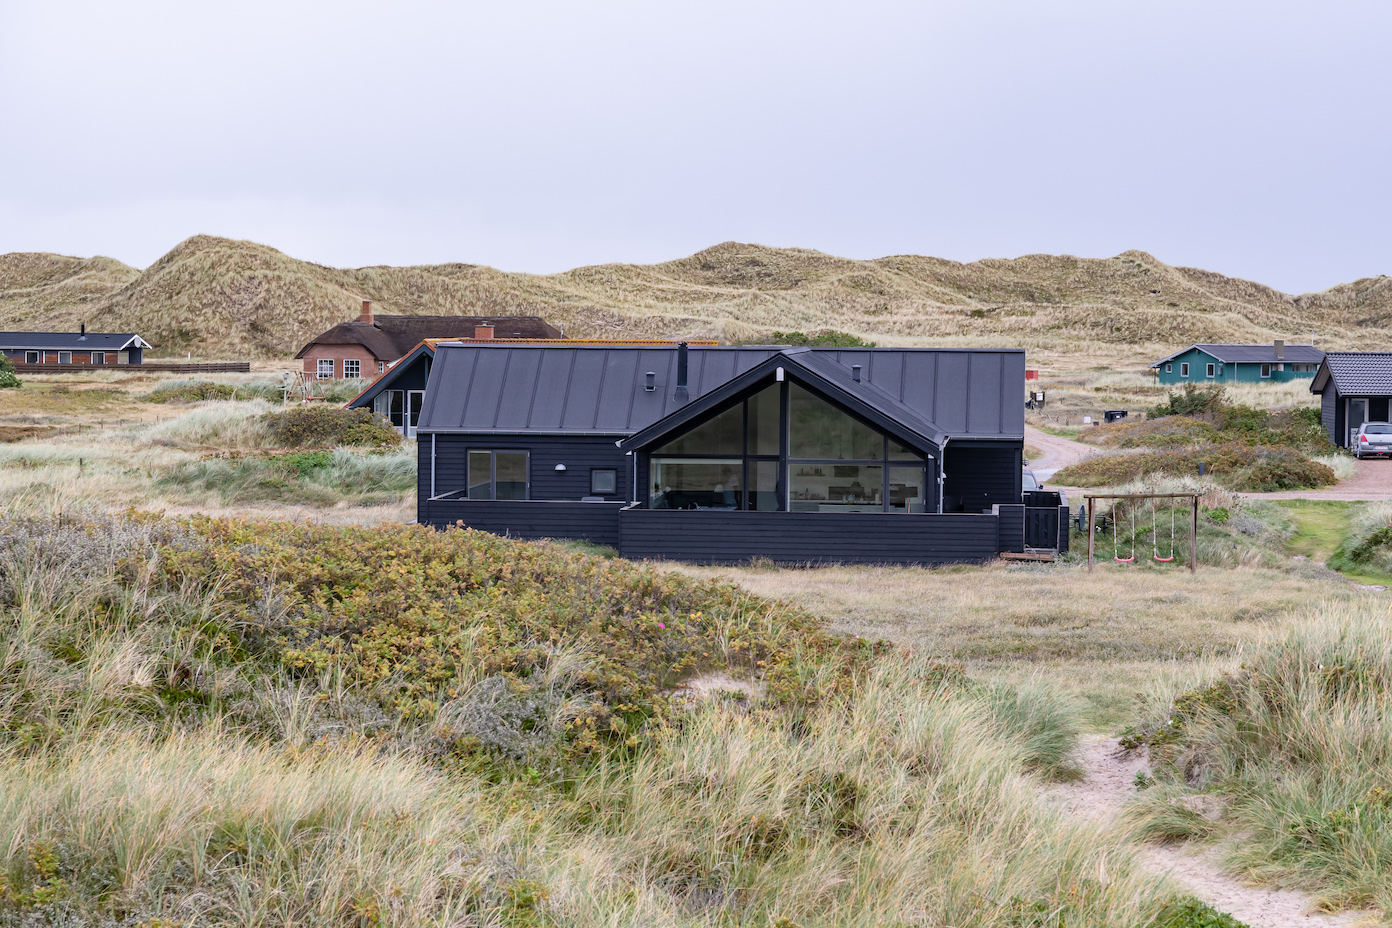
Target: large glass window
720, 435
497, 475
820, 431
835, 462
696, 483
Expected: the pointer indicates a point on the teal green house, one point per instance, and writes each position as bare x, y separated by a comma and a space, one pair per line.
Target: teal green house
1277, 362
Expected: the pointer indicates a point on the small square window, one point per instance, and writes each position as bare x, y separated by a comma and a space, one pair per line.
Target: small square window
1210, 370
325, 368
99, 357
32, 357
1169, 368
1184, 369
381, 366
604, 482
352, 369
65, 357
1266, 370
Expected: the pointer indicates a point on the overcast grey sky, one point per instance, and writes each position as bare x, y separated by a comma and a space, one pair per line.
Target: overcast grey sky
1250, 138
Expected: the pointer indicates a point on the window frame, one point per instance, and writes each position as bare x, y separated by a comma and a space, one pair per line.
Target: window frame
1169, 368
357, 373
493, 453
33, 357
381, 367
1184, 368
1210, 369
613, 472
98, 354
1266, 371
319, 369
65, 357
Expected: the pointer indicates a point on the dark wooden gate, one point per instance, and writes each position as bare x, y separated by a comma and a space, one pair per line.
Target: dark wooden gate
1042, 513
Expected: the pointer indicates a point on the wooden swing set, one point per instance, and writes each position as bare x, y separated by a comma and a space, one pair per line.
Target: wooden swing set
1155, 538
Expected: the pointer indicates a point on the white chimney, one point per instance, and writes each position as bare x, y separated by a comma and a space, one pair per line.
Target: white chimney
1280, 349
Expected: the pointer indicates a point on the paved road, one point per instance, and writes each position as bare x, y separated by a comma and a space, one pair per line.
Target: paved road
1058, 452
1372, 482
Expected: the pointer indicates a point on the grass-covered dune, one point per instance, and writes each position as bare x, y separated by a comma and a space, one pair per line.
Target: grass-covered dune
242, 723
1291, 756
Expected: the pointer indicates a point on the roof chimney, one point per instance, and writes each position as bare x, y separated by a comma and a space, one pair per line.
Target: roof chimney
1280, 348
366, 315
483, 331
82, 329
682, 394
855, 372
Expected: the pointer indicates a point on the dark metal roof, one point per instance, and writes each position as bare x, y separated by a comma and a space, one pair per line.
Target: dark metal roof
824, 375
600, 390
390, 337
1254, 354
1355, 373
72, 341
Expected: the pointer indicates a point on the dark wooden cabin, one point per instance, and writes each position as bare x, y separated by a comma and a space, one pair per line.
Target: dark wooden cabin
1355, 387
722, 454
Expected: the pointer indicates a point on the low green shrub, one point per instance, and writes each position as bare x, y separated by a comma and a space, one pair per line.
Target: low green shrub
822, 338
1192, 913
314, 425
312, 478
8, 378
191, 391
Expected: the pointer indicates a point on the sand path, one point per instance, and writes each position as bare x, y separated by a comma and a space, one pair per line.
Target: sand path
1108, 781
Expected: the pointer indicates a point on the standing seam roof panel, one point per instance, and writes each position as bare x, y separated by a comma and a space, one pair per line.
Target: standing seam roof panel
482, 410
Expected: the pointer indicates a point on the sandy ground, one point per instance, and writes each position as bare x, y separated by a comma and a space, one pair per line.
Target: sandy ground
1108, 781
1058, 452
1372, 482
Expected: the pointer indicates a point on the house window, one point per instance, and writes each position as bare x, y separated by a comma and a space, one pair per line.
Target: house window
1266, 370
604, 482
65, 357
1184, 369
352, 369
99, 357
32, 357
326, 368
836, 463
498, 474
1169, 368
1210, 370
381, 366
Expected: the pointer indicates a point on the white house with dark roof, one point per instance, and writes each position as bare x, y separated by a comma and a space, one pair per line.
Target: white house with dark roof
1354, 387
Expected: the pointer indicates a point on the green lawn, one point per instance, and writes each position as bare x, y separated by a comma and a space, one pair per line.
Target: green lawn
1321, 526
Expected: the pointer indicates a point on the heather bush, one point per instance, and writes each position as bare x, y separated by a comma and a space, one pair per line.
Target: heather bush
322, 426
1236, 465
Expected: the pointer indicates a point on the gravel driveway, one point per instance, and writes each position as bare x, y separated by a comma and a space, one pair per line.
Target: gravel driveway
1372, 482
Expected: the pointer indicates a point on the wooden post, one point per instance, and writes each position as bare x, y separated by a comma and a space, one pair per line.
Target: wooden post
1194, 535
1091, 534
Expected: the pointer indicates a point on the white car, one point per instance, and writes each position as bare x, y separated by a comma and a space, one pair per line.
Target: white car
1373, 438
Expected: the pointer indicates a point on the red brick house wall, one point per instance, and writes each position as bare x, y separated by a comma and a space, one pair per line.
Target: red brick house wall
338, 354
51, 357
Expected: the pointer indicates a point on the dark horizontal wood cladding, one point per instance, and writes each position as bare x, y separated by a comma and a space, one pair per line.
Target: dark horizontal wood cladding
980, 476
596, 522
580, 455
733, 537
1011, 531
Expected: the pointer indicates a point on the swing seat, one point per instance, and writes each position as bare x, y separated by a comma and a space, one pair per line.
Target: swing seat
1124, 560
1164, 560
